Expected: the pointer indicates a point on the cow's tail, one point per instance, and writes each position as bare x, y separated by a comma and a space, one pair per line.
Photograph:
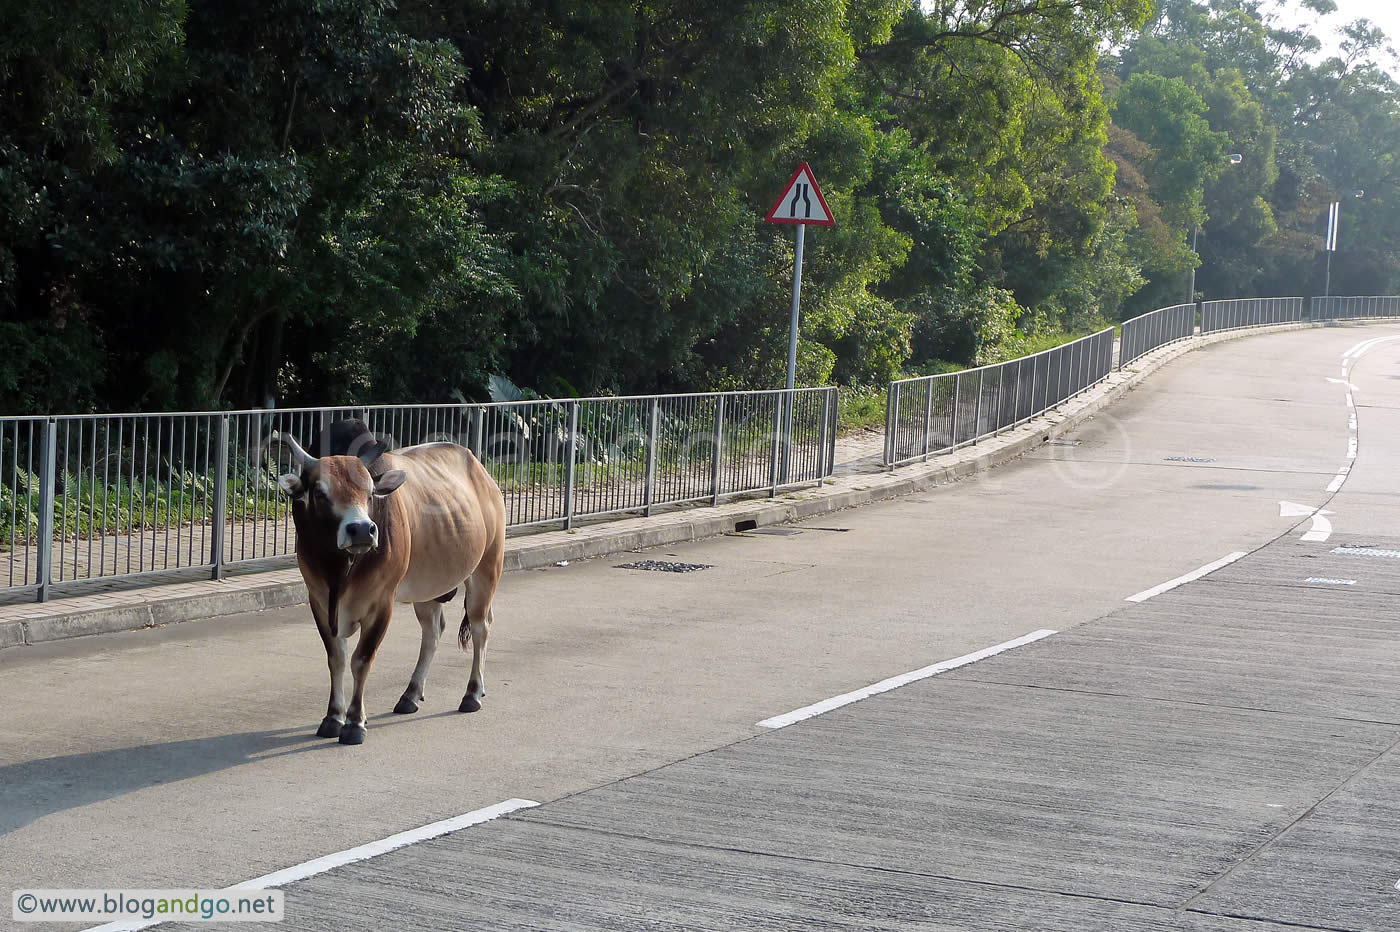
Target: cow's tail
464, 634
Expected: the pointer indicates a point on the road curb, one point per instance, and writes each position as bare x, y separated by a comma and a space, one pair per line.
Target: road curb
628, 534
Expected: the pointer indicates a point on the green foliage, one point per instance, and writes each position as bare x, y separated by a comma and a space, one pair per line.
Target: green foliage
355, 201
861, 407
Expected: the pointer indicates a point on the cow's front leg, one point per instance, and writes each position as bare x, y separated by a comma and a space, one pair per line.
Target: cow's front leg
337, 658
337, 654
371, 635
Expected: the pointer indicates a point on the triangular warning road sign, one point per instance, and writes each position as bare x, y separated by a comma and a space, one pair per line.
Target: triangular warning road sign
802, 201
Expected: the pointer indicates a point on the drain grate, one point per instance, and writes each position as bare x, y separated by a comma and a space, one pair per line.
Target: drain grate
661, 566
1189, 459
777, 531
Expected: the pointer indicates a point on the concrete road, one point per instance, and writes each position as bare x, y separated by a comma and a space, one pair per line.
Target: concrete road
184, 757
1221, 757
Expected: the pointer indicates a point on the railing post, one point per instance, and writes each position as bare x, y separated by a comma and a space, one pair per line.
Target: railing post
833, 426
821, 439
653, 423
48, 468
778, 435
479, 433
957, 401
1016, 411
716, 474
977, 411
569, 471
216, 545
1001, 399
928, 415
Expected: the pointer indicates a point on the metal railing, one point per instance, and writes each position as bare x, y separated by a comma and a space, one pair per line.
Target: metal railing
1356, 308
123, 496
1145, 333
939, 413
1235, 313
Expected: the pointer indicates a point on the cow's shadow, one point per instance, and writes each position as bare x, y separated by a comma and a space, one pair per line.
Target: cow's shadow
32, 789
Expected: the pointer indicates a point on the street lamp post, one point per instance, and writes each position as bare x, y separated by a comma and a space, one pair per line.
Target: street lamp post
1334, 217
1234, 158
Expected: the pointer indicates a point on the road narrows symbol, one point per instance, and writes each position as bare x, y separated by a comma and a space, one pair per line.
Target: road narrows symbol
801, 201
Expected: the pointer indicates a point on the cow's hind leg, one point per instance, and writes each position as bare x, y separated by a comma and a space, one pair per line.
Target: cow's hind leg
433, 621
371, 636
477, 625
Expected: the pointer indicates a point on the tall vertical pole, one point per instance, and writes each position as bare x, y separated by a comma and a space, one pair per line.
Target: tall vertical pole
1191, 289
1333, 221
792, 347
796, 304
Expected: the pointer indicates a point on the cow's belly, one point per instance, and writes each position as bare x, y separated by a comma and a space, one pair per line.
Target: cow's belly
437, 571
428, 587
447, 533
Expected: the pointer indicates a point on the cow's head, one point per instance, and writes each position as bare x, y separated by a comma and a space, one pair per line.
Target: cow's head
336, 492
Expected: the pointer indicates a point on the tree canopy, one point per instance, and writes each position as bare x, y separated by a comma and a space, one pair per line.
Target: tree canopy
214, 204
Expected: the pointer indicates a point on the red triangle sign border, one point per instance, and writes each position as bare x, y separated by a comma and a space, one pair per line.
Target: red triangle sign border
772, 217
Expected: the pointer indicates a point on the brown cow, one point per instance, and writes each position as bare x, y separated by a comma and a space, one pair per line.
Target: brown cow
434, 520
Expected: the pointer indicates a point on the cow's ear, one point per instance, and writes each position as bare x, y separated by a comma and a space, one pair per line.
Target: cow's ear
291, 484
388, 482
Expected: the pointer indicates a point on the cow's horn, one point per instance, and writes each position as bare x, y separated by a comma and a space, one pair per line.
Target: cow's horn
303, 458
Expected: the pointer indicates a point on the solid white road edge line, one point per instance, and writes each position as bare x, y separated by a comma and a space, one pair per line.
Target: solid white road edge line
1364, 347
1321, 529
894, 682
1195, 574
1355, 348
349, 856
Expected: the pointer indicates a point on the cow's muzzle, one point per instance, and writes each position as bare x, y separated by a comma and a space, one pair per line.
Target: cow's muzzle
359, 536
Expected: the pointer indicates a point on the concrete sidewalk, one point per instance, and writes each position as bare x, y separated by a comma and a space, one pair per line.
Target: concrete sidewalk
859, 479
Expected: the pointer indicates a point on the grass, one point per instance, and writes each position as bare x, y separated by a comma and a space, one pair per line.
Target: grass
85, 506
88, 506
860, 407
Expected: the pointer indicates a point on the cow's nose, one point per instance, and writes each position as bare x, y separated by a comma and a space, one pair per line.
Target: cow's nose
360, 534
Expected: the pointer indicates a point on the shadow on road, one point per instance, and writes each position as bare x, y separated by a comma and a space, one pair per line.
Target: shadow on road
32, 789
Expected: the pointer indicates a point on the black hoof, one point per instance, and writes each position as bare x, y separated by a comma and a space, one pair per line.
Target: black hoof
469, 704
330, 728
352, 734
406, 706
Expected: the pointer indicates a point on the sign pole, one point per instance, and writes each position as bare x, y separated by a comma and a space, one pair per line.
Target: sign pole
792, 349
1333, 216
796, 305
801, 203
